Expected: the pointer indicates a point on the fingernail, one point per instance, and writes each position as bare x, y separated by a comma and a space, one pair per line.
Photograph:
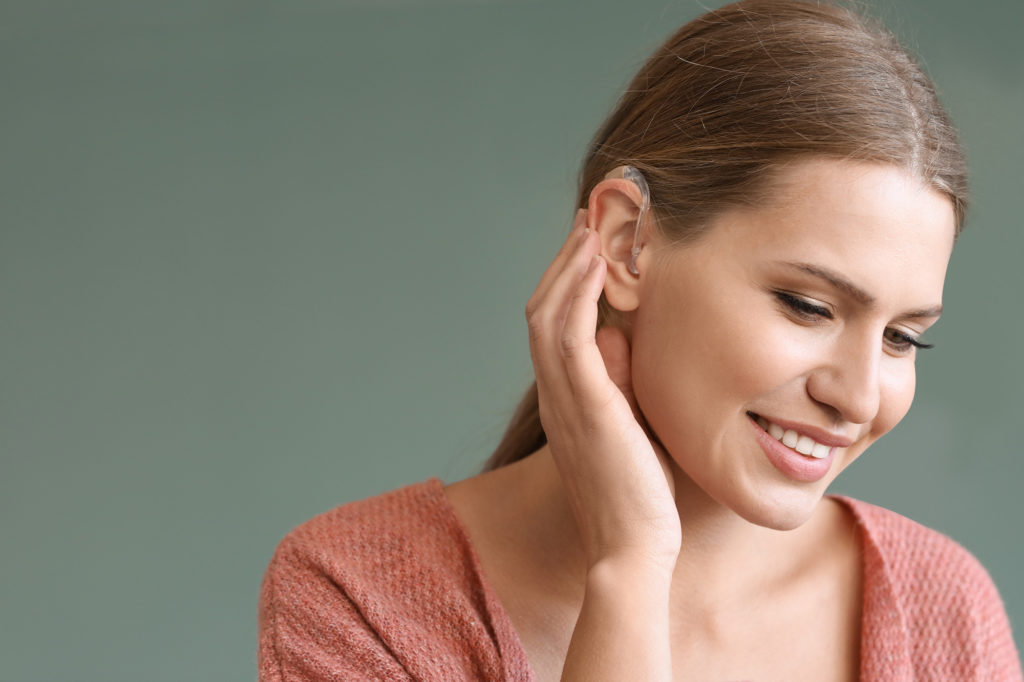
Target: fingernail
584, 234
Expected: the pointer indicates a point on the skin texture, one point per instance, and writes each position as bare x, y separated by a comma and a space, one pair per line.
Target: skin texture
652, 535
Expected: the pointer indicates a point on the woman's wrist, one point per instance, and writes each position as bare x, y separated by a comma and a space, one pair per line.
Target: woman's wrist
652, 557
649, 568
623, 628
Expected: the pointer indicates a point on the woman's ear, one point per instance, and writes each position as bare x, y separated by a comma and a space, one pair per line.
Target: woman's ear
613, 210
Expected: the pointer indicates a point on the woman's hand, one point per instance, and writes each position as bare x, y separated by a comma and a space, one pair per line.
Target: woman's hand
617, 479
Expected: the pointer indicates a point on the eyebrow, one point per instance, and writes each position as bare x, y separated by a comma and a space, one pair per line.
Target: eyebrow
854, 291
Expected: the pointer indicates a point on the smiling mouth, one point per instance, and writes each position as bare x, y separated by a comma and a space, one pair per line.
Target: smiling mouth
801, 443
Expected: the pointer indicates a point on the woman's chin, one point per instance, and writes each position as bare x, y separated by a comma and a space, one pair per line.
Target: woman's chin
784, 506
779, 510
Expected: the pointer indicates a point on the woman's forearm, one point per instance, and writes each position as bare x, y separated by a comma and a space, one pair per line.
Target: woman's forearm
623, 631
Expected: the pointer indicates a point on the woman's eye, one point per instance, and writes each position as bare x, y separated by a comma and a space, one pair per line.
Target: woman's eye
803, 308
900, 341
904, 342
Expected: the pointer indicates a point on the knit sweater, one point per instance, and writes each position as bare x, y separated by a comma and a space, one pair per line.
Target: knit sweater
390, 588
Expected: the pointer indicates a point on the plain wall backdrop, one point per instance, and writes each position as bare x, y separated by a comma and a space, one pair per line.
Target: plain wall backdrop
259, 259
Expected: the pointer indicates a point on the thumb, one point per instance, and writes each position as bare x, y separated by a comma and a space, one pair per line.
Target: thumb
615, 351
617, 356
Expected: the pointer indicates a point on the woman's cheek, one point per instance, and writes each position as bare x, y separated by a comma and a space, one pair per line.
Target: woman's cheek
693, 381
669, 378
768, 359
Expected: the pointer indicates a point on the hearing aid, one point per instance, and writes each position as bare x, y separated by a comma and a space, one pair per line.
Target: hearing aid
637, 178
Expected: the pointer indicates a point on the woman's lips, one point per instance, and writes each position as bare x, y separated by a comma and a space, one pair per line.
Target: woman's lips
805, 468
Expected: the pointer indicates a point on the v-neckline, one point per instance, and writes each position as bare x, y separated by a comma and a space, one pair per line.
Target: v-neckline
883, 627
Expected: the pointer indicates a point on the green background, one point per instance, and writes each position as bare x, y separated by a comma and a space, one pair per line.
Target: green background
258, 259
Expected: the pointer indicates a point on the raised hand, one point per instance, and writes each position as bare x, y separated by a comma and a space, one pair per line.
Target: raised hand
617, 479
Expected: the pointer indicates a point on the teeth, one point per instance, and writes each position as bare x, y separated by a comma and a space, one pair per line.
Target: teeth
805, 445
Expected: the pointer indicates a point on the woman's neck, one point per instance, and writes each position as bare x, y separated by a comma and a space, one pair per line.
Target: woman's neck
725, 560
734, 582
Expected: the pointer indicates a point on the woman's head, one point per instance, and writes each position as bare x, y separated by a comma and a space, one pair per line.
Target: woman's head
722, 112
734, 94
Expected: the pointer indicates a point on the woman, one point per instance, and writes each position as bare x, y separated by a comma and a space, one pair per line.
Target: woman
657, 507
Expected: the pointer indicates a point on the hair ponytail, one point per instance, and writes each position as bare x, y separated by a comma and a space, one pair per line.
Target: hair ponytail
524, 434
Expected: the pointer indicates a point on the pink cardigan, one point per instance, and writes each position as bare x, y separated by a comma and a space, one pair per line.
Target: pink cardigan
390, 588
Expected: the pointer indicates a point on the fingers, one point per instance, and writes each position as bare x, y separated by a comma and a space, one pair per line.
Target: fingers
557, 265
582, 357
547, 310
614, 347
615, 350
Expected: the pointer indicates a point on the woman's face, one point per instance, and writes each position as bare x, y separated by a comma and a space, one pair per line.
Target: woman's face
802, 312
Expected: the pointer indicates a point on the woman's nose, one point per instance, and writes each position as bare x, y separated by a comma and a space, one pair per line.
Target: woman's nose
848, 379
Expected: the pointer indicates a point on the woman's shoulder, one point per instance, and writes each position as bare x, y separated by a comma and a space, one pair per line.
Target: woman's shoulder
373, 528
928, 602
917, 558
387, 587
384, 548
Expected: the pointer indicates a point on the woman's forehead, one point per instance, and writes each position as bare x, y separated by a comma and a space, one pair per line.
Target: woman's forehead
843, 199
878, 226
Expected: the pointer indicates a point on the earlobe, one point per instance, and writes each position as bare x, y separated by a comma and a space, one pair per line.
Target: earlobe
617, 212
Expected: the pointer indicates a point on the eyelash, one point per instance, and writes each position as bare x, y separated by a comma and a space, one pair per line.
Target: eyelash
806, 310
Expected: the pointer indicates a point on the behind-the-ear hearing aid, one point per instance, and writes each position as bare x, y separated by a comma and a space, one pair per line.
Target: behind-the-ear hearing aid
634, 175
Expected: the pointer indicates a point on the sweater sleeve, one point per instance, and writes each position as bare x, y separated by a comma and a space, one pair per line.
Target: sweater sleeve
931, 610
997, 653
310, 630
958, 623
